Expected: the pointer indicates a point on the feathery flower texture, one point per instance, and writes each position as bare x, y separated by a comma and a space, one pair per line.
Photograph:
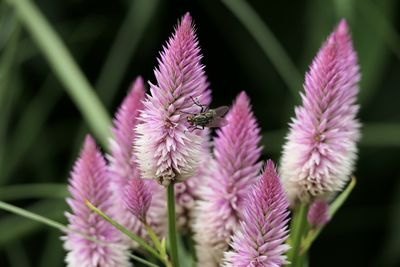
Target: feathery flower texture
228, 181
137, 198
318, 213
165, 149
89, 181
123, 169
263, 230
319, 155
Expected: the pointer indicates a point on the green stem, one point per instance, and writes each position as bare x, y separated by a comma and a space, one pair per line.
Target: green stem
125, 231
153, 237
171, 225
66, 69
297, 228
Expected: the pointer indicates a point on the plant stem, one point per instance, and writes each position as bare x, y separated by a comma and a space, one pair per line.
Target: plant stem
297, 228
171, 225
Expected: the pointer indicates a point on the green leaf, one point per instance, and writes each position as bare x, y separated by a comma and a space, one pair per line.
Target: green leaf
66, 69
268, 43
372, 32
124, 47
15, 227
373, 135
381, 134
25, 191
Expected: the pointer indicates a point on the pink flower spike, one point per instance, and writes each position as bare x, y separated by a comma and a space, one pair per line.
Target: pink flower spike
318, 213
137, 198
89, 182
123, 167
263, 230
227, 181
122, 160
165, 149
320, 152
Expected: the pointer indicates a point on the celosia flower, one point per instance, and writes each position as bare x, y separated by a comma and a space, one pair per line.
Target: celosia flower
228, 180
320, 151
263, 230
165, 149
137, 198
318, 213
123, 167
89, 181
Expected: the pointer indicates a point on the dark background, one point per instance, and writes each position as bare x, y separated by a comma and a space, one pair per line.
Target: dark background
41, 129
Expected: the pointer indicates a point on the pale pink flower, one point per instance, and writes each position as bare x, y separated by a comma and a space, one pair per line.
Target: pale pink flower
166, 150
89, 181
318, 213
260, 241
320, 152
227, 181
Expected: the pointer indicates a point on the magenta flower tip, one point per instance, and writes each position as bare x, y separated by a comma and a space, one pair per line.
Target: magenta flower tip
165, 149
260, 241
137, 198
318, 214
320, 152
89, 181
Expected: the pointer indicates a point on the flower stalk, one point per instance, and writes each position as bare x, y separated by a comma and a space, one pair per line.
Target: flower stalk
171, 225
297, 230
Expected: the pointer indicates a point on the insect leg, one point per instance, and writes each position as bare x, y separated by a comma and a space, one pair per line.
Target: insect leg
202, 107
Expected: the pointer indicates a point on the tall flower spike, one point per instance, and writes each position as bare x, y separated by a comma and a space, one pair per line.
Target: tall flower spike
263, 230
123, 166
165, 149
320, 152
89, 182
228, 181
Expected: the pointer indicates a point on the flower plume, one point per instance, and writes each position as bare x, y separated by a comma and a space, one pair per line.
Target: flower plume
137, 198
227, 182
123, 169
320, 151
263, 230
165, 149
89, 182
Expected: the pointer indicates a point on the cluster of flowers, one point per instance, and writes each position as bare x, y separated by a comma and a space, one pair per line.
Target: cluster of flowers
238, 216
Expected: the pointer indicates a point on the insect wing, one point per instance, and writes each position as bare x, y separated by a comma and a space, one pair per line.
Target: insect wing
219, 119
221, 111
217, 122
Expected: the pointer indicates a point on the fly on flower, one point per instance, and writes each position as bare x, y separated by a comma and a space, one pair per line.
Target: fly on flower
211, 118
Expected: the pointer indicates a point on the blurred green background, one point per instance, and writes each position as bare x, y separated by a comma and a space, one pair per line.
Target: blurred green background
41, 127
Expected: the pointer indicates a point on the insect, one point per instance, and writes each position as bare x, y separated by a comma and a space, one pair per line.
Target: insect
211, 118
